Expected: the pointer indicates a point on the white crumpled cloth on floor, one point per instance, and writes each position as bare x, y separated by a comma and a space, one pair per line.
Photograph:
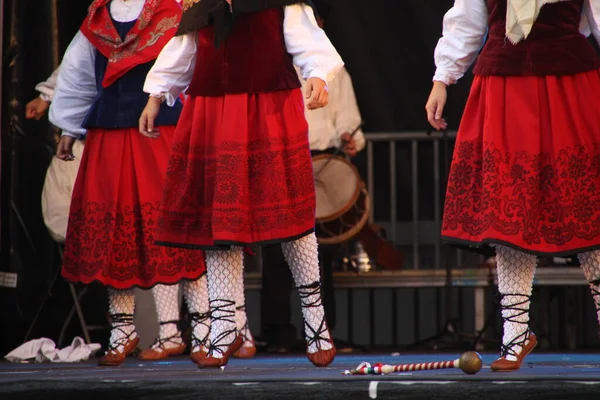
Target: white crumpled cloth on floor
44, 350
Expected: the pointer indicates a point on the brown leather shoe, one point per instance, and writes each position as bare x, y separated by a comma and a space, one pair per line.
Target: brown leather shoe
248, 350
161, 352
504, 365
198, 356
323, 358
213, 362
113, 357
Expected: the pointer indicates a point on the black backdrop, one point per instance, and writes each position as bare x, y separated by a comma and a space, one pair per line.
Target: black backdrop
387, 46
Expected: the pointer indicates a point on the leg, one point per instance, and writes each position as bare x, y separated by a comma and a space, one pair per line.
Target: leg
277, 286
590, 263
195, 294
169, 342
303, 259
515, 283
123, 338
248, 349
224, 269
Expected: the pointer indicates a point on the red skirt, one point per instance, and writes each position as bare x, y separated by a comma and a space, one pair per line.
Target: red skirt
240, 173
526, 167
116, 198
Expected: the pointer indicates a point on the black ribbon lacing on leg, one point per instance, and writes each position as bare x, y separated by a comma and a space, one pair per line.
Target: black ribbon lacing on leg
314, 336
204, 319
119, 322
520, 310
160, 342
224, 314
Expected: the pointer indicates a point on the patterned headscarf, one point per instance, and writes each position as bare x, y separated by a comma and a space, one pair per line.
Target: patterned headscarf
155, 26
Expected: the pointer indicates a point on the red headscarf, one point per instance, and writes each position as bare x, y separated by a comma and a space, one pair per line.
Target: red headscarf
155, 26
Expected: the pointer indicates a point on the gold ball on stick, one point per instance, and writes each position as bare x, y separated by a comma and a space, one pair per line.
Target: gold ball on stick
470, 362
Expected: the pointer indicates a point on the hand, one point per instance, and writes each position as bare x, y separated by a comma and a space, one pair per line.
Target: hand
316, 93
64, 150
349, 145
435, 106
36, 108
148, 117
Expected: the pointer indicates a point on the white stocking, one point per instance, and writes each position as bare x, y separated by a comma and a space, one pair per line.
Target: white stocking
224, 269
590, 263
515, 282
166, 299
196, 297
121, 305
303, 258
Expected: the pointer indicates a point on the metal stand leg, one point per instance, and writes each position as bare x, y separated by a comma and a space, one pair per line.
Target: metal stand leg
77, 307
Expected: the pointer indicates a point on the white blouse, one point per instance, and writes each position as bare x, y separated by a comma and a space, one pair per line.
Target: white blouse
46, 88
76, 83
310, 48
465, 29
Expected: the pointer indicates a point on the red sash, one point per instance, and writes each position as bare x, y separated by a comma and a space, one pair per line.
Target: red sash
155, 26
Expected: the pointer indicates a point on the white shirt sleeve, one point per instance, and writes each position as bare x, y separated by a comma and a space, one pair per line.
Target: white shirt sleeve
590, 21
46, 88
464, 32
311, 49
347, 114
75, 87
174, 68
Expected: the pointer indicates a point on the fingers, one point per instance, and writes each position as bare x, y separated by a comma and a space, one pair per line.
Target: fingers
352, 153
309, 89
151, 135
323, 98
435, 109
64, 154
30, 112
318, 99
143, 123
431, 116
146, 126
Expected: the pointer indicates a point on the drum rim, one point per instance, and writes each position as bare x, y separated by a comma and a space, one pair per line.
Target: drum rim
355, 230
359, 188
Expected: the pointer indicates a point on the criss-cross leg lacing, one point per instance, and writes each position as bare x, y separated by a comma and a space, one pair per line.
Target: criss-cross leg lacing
200, 344
222, 313
174, 340
513, 312
317, 337
122, 332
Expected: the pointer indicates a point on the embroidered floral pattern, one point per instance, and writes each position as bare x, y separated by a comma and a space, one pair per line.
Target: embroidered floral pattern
530, 200
239, 189
116, 246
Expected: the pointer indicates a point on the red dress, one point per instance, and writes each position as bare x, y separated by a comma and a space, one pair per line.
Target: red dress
526, 168
240, 171
117, 193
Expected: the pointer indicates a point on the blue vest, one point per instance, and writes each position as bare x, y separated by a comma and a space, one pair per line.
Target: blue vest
121, 104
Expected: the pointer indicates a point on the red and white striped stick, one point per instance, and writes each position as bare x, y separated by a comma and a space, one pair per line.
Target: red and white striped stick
469, 362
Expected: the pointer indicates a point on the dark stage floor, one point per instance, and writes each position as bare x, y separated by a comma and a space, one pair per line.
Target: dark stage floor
546, 376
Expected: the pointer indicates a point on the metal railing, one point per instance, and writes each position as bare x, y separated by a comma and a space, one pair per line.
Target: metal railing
424, 234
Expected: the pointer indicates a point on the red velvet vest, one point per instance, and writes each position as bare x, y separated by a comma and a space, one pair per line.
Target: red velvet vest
554, 46
253, 59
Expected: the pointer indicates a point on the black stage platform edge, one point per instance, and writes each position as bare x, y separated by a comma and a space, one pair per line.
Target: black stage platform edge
545, 376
